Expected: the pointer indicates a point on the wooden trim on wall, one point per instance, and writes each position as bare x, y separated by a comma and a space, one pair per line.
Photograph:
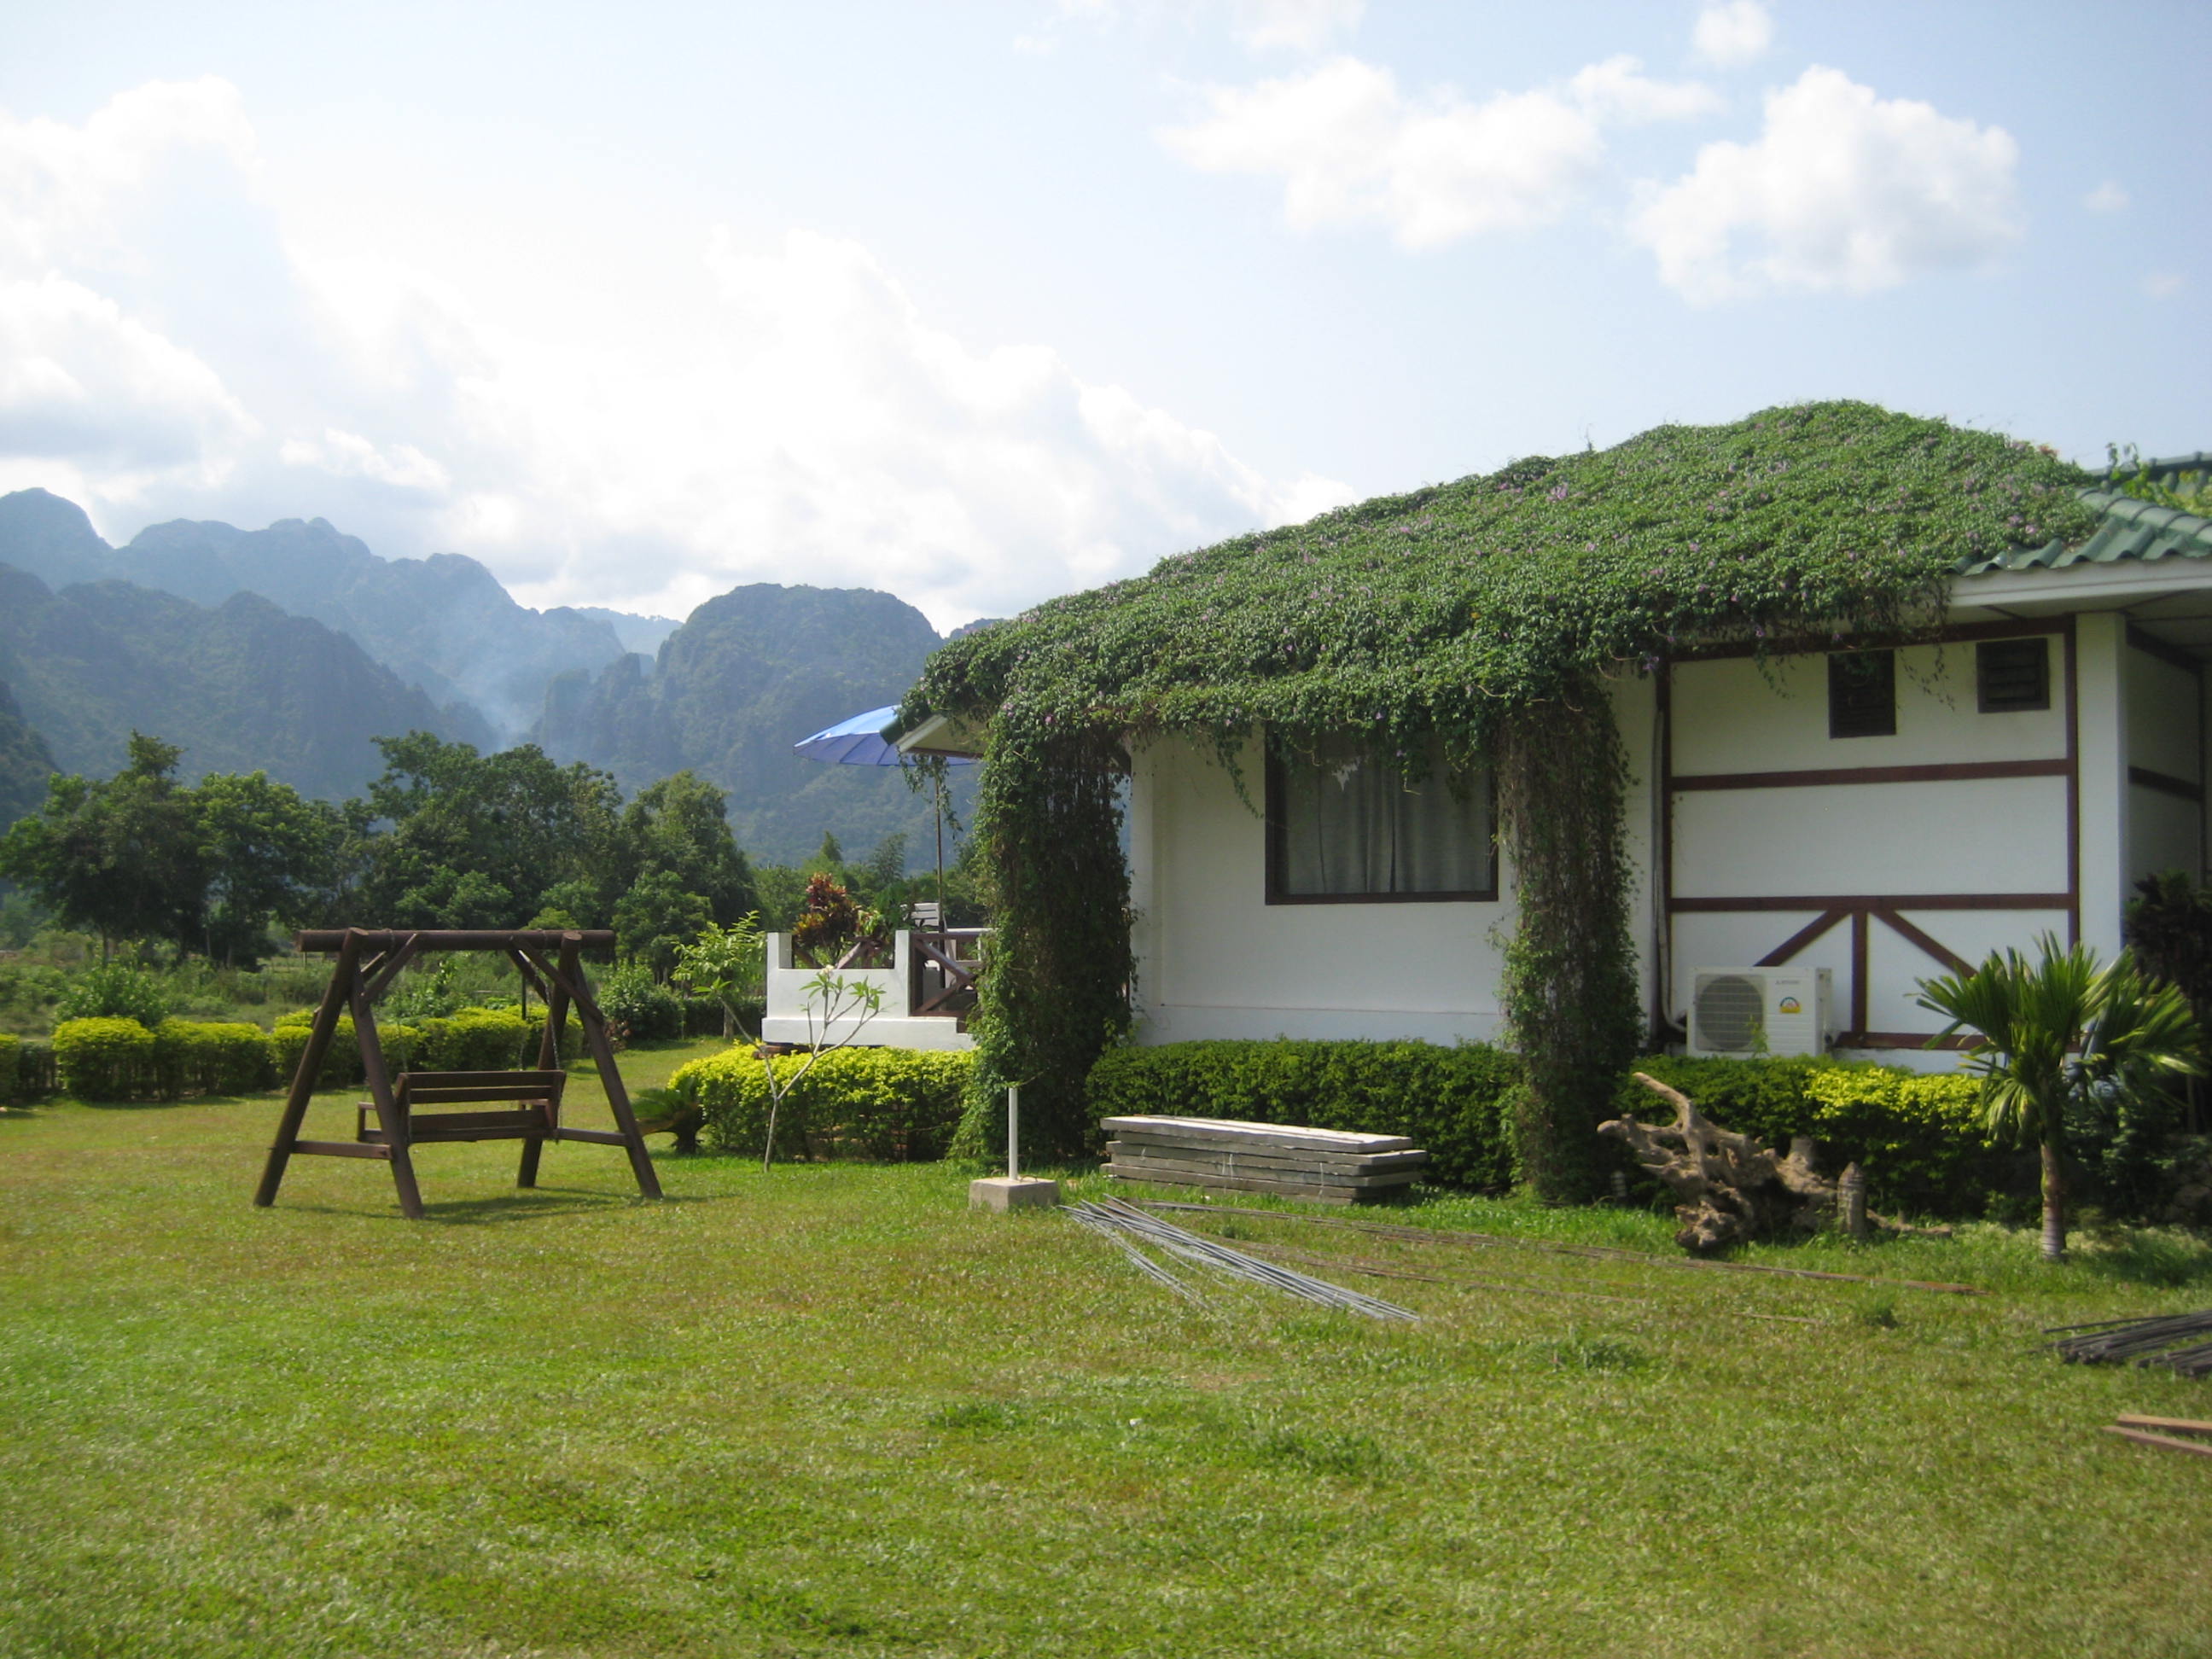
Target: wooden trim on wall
2073, 680
1861, 971
2166, 784
2171, 655
1925, 943
1897, 1039
1811, 932
2023, 629
1851, 901
2056, 766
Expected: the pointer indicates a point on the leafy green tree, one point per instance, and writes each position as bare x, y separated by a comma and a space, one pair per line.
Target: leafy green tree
2062, 1037
121, 858
680, 827
656, 919
271, 855
479, 840
726, 963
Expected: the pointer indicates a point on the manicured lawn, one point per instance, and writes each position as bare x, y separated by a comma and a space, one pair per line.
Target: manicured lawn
830, 1410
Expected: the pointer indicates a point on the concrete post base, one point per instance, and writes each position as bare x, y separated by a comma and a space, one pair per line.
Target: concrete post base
1004, 1193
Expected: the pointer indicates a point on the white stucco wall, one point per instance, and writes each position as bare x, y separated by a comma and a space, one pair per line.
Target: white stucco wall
2164, 724
1215, 959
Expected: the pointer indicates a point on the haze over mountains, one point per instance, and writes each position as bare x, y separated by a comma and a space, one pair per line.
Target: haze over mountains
289, 649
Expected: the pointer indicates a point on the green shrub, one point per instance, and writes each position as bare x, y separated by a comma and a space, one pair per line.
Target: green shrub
887, 1104
1457, 1102
475, 1040
11, 1076
106, 1058
192, 1057
117, 991
1917, 1135
639, 1006
395, 1040
34, 1070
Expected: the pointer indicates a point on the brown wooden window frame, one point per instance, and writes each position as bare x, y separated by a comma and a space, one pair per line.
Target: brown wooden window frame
1984, 652
1841, 713
1277, 860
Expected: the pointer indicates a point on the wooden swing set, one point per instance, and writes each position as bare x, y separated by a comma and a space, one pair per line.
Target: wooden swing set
387, 1126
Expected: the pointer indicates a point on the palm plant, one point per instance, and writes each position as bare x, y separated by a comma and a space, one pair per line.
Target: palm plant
2058, 1033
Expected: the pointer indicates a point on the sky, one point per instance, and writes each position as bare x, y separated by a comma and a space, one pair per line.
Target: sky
979, 303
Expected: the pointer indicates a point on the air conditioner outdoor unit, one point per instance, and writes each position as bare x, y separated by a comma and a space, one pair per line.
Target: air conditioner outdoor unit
1760, 1011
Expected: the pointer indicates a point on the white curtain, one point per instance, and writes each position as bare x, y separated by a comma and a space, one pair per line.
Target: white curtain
1352, 825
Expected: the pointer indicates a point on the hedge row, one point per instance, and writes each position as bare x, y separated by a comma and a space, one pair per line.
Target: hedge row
108, 1058
890, 1104
1917, 1136
1458, 1102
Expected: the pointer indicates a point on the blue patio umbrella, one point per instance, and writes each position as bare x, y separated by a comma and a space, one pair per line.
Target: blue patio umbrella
859, 741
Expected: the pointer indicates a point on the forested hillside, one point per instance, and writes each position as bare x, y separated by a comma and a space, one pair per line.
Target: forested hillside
25, 762
242, 687
443, 624
747, 675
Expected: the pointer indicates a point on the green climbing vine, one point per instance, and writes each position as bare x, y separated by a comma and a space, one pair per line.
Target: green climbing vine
1487, 613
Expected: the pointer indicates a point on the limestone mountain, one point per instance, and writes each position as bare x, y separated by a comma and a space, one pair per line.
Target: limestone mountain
241, 686
443, 624
25, 762
749, 674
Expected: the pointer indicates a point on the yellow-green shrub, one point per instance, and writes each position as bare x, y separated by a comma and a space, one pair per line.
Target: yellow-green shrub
341, 1066
889, 1104
106, 1059
193, 1057
474, 1040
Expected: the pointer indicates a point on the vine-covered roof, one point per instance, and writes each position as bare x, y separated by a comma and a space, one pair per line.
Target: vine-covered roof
1437, 610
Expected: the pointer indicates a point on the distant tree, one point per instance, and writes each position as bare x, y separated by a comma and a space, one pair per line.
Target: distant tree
122, 857
656, 919
680, 827
479, 840
726, 963
269, 856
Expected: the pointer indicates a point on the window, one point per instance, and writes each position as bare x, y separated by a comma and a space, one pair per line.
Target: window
2012, 677
1862, 694
1344, 827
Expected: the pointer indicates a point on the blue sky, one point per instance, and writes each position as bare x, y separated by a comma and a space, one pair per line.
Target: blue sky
984, 302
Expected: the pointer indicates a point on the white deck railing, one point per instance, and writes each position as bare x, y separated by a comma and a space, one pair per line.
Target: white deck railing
923, 993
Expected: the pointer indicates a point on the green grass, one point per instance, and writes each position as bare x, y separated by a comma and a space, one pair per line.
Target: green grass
830, 1410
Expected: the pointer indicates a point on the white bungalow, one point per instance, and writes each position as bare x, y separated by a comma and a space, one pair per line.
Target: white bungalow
1875, 811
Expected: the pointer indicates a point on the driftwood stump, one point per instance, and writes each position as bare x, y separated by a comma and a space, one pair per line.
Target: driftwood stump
1731, 1187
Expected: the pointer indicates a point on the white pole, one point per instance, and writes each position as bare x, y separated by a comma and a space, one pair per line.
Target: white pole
1013, 1131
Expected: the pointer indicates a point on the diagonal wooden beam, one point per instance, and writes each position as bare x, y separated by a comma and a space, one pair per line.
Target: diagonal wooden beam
1797, 941
389, 965
1923, 942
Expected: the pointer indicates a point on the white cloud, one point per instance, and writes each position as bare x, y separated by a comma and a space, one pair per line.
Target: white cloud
1842, 190
1351, 148
1258, 25
778, 412
94, 391
1730, 33
1619, 90
2107, 197
347, 454
2164, 284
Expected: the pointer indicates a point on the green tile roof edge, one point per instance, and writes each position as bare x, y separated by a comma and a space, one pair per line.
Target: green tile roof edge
2132, 529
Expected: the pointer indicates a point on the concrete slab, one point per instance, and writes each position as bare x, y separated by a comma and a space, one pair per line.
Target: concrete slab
1004, 1193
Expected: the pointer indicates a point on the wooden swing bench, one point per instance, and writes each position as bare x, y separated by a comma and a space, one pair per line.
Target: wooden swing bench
387, 1126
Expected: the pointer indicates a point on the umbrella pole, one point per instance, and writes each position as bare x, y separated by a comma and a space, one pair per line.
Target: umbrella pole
941, 923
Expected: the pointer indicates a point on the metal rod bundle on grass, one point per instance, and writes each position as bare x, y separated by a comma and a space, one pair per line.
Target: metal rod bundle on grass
1131, 1229
2181, 1342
